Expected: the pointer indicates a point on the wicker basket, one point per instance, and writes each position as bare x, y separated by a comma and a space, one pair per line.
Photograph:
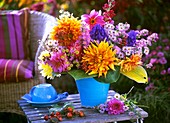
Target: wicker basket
40, 25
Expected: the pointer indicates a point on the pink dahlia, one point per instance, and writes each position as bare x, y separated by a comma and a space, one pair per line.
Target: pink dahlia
59, 62
93, 18
115, 106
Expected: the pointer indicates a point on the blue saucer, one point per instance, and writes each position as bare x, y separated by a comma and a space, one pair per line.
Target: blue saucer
28, 98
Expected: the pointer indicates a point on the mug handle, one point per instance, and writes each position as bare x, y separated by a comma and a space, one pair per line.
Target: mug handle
32, 90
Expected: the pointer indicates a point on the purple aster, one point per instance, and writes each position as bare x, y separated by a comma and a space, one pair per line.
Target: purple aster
163, 72
160, 54
149, 79
162, 60
147, 88
158, 47
115, 106
150, 87
131, 40
98, 33
165, 40
168, 70
167, 48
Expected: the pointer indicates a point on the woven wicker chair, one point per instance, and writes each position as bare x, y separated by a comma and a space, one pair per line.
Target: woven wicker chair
40, 25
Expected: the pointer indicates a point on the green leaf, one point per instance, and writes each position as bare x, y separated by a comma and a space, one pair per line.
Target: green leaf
80, 74
112, 76
139, 74
60, 108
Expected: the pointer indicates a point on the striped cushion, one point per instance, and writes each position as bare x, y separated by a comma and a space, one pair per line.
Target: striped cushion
14, 41
15, 70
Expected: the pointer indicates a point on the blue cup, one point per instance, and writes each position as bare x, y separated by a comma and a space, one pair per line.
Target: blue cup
43, 93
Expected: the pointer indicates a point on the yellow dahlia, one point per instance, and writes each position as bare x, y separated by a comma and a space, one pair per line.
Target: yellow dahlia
130, 63
99, 58
46, 70
67, 31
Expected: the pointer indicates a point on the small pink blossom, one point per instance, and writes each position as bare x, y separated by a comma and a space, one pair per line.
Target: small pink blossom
131, 113
154, 52
102, 108
153, 60
149, 65
125, 108
144, 32
118, 49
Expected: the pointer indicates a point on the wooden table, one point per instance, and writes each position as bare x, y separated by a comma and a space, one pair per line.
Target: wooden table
36, 114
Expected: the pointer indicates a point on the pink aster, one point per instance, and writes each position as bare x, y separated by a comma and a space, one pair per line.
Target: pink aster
59, 62
115, 106
93, 18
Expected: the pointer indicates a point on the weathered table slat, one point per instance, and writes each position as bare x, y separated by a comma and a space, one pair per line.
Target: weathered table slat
36, 114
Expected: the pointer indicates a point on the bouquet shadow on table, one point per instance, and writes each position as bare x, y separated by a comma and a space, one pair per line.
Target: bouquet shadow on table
65, 83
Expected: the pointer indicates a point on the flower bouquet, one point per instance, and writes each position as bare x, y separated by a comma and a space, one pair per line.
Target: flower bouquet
95, 47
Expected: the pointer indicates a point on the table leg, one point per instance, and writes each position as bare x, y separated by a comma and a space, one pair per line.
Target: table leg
139, 120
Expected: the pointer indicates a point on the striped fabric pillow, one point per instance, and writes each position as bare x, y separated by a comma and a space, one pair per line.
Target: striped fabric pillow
15, 70
14, 41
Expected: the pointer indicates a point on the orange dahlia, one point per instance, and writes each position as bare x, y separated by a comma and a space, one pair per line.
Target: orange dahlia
67, 31
130, 63
99, 58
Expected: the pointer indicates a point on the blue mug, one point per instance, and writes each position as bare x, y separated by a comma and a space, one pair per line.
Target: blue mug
43, 93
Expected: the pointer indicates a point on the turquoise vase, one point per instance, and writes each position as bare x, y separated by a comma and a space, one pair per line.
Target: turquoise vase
92, 92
